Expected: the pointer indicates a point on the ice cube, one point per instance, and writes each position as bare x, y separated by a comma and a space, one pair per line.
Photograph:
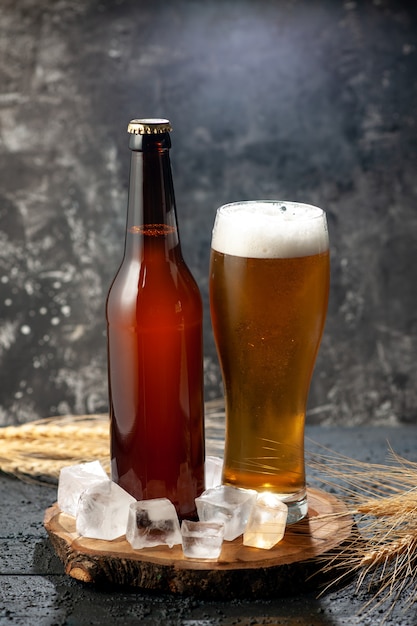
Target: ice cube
213, 471
202, 540
102, 511
75, 479
266, 523
226, 504
153, 523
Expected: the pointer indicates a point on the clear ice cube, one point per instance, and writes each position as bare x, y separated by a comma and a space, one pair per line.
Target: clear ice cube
202, 540
75, 479
102, 511
226, 504
266, 523
153, 523
213, 471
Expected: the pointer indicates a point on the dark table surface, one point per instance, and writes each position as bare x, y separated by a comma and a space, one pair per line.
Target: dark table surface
35, 590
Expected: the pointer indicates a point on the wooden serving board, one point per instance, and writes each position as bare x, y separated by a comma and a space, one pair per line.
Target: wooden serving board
294, 564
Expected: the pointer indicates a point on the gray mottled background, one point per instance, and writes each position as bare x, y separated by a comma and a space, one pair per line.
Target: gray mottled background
304, 100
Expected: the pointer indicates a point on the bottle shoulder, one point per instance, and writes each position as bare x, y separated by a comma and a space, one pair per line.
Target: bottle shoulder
170, 271
147, 290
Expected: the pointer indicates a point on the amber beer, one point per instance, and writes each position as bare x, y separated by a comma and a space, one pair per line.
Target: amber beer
269, 285
154, 338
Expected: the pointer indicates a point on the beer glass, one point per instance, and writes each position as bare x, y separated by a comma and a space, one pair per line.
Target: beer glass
269, 287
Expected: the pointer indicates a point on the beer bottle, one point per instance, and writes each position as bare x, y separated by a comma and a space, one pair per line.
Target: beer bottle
154, 339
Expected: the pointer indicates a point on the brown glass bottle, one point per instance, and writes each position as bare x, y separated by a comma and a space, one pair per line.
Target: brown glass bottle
154, 338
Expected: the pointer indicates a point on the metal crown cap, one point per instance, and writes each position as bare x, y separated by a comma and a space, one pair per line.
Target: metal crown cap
149, 126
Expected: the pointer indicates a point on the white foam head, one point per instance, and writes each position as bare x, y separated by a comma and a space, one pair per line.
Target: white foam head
270, 229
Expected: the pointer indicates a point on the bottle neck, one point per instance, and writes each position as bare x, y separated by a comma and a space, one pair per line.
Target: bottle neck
151, 214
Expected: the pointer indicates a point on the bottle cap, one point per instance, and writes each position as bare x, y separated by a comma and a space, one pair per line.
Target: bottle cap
149, 127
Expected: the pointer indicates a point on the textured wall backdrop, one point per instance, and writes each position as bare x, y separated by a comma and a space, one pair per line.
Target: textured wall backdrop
304, 100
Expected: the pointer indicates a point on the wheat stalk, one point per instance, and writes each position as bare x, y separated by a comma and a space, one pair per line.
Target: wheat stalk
383, 500
38, 450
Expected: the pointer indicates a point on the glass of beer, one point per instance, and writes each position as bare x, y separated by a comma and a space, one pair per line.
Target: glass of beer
269, 288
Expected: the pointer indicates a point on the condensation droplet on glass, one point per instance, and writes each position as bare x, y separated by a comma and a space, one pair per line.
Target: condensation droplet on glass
43, 310
8, 301
25, 329
55, 321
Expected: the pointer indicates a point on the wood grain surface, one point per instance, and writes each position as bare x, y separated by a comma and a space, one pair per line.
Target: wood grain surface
240, 571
